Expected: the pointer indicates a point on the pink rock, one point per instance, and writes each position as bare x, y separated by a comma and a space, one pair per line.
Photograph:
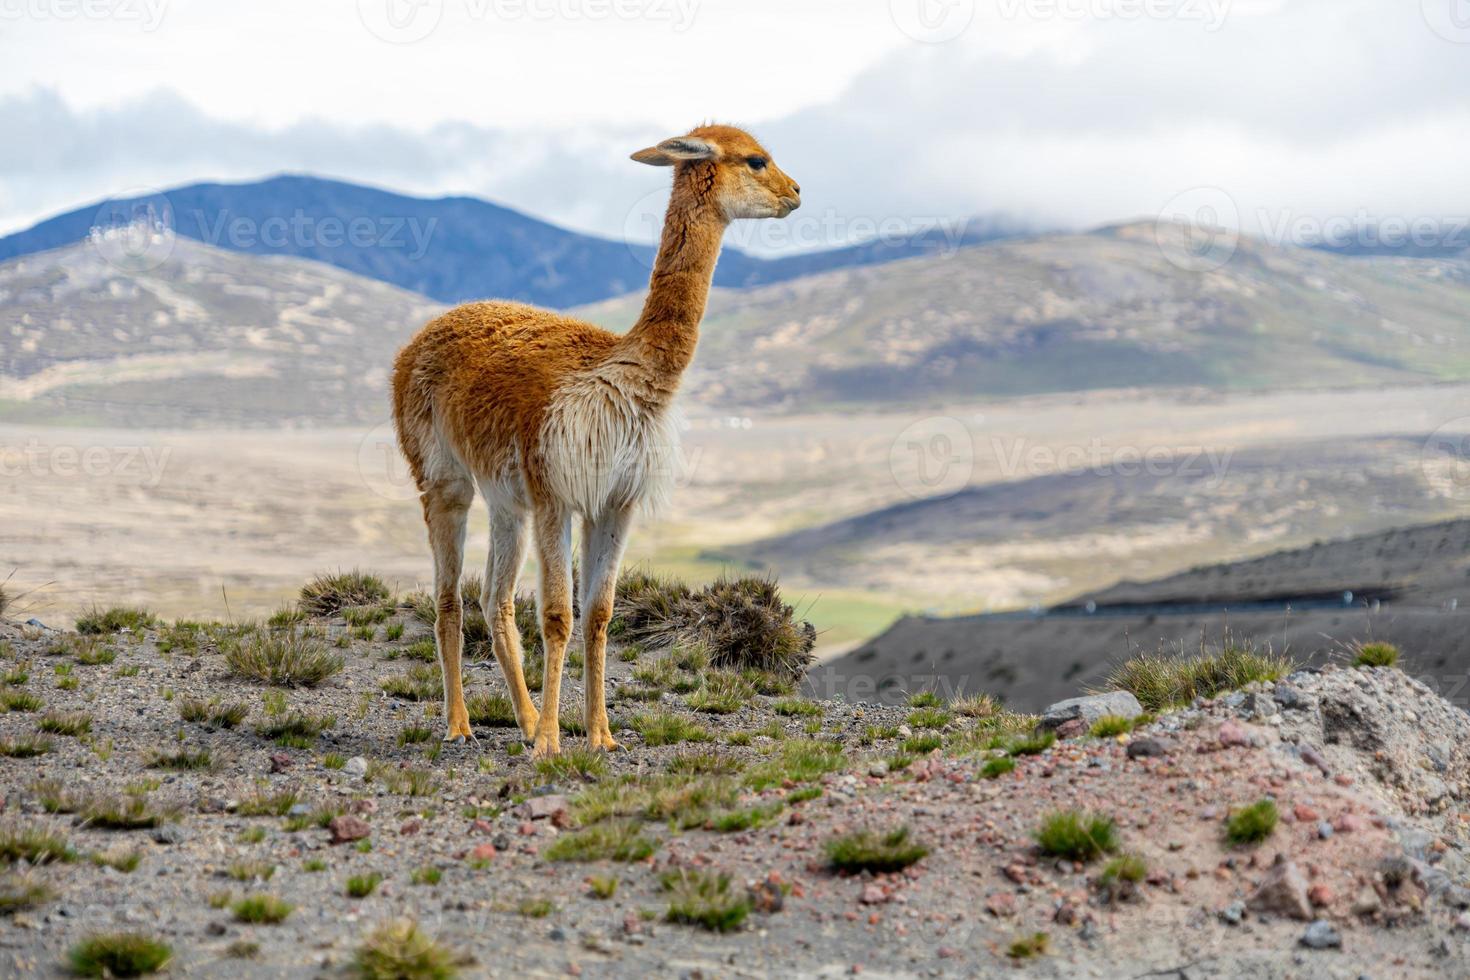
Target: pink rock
1231, 733
483, 826
1305, 813
1072, 728
1348, 823
873, 895
1283, 892
1016, 873
526, 828
280, 762
1320, 894
345, 828
482, 852
411, 827
542, 807
365, 807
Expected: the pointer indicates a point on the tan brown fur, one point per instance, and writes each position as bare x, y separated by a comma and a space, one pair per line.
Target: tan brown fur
552, 418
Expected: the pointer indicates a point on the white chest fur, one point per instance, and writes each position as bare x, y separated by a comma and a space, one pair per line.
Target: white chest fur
604, 448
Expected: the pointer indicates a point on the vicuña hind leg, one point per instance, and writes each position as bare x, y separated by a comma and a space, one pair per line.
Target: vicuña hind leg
497, 600
446, 505
554, 548
602, 551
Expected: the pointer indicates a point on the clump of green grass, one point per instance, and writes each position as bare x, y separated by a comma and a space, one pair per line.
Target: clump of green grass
997, 767
929, 718
610, 840
34, 846
282, 659
1375, 655
361, 886
747, 818
297, 730
287, 617
366, 615
1251, 824
602, 886
125, 812
1111, 726
924, 699
665, 728
212, 712
20, 891
422, 649
922, 743
1029, 946
536, 908
705, 899
182, 761
1161, 681
723, 692
707, 763
414, 734
400, 950
115, 620
1121, 876
92, 653
421, 682
72, 723
797, 708
1077, 836
407, 781
328, 593
276, 803
573, 763
119, 954
242, 949
795, 761
427, 875
20, 701
261, 909
866, 850
491, 710
251, 870
1033, 744
24, 747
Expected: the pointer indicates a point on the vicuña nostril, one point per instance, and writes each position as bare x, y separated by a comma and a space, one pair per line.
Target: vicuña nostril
796, 188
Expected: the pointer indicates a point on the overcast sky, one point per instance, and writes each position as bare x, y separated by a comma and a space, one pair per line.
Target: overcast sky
1064, 113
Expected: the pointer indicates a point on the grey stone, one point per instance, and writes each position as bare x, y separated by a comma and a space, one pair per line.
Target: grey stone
169, 833
1147, 748
1321, 935
1324, 829
356, 766
298, 810
1232, 914
1089, 709
1289, 697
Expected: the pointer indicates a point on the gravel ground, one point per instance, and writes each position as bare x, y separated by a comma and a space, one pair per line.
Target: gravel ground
1367, 768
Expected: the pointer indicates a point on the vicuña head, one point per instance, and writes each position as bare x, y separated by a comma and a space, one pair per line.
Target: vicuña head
552, 419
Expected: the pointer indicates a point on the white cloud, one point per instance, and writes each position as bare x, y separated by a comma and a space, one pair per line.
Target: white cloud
1293, 107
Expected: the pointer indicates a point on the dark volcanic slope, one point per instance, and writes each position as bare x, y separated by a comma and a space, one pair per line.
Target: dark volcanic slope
1035, 660
1425, 566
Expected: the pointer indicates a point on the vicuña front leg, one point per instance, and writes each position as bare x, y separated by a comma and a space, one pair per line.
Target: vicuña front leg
602, 550
554, 547
445, 508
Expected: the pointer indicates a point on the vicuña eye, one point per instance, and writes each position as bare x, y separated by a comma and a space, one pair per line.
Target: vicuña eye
756, 163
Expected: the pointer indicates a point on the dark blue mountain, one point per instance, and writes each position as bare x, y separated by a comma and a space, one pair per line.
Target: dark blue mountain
451, 249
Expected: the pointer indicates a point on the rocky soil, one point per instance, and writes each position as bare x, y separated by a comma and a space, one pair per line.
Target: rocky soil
1365, 874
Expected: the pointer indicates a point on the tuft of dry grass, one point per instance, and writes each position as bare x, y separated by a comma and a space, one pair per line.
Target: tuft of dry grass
119, 954
705, 899
115, 620
737, 622
20, 891
1162, 681
400, 950
282, 659
327, 593
865, 850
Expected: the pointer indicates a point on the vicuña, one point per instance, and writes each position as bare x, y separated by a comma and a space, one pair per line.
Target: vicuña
553, 418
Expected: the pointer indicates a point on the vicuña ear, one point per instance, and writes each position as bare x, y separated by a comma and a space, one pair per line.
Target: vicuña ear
671, 151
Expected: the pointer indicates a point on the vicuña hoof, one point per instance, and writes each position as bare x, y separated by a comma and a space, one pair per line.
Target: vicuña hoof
547, 745
603, 740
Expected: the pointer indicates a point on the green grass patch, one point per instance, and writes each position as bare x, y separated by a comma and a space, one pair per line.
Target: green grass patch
282, 659
1162, 681
400, 950
261, 909
1375, 655
867, 850
705, 899
115, 620
118, 954
610, 840
1077, 836
1252, 824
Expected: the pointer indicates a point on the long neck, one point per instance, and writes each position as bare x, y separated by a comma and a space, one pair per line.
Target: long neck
663, 339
